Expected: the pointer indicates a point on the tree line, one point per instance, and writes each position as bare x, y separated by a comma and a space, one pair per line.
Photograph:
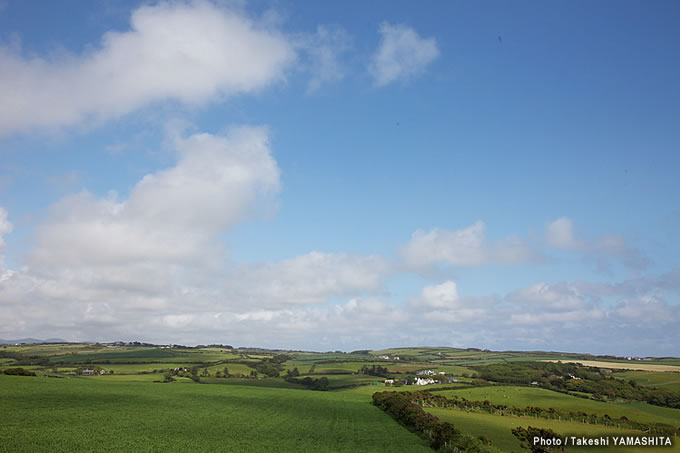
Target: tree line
429, 399
569, 377
442, 436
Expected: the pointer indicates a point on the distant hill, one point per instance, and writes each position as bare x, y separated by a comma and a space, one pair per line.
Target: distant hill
32, 341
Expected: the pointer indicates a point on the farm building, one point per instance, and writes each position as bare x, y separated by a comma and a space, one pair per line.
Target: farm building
88, 372
422, 381
425, 373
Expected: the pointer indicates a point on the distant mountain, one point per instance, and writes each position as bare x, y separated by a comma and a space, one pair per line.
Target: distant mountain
32, 341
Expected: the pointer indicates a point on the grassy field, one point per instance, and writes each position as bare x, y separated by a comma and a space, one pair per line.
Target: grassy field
518, 396
661, 380
42, 414
498, 429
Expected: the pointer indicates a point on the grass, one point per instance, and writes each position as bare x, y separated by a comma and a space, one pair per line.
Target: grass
41, 414
518, 396
498, 429
661, 380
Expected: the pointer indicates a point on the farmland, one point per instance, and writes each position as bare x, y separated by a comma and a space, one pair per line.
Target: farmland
530, 396
75, 414
497, 429
142, 397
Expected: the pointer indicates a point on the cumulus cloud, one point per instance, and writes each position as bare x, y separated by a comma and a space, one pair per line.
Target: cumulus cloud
560, 234
189, 52
551, 303
649, 309
402, 54
306, 279
171, 215
467, 247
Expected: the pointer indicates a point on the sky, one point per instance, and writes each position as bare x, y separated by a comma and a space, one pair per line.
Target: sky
342, 175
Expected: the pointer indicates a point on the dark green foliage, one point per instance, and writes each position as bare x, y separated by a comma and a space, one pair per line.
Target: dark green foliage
443, 436
19, 372
570, 377
310, 383
526, 437
167, 377
374, 370
429, 399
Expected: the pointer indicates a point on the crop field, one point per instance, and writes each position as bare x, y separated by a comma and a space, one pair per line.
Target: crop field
42, 414
628, 365
498, 429
518, 396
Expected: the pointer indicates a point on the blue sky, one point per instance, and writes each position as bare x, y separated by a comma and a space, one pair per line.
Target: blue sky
339, 176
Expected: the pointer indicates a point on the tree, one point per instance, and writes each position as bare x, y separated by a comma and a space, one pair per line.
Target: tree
527, 436
226, 372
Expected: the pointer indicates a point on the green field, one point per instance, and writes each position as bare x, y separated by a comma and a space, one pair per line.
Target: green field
661, 380
518, 396
498, 429
42, 414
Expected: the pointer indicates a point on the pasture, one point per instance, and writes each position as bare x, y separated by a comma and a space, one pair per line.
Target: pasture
660, 380
42, 414
498, 428
518, 396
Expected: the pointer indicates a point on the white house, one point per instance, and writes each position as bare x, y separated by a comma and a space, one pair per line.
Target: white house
384, 357
88, 372
421, 381
389, 381
425, 373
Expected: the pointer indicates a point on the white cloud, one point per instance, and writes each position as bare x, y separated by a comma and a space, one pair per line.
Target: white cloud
189, 52
542, 296
172, 215
324, 49
402, 54
467, 247
560, 234
650, 309
306, 279
444, 295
